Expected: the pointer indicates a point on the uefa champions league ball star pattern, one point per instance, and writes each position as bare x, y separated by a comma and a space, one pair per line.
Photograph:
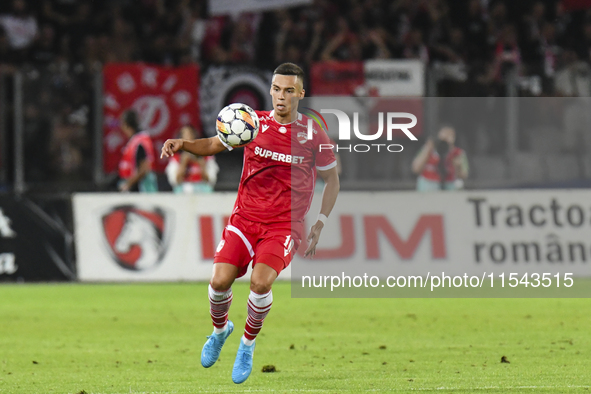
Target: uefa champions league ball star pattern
237, 124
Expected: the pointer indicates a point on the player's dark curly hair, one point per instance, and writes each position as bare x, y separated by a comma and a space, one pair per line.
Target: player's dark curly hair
290, 69
130, 118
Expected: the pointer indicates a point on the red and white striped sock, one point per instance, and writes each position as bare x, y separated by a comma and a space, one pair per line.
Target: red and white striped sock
259, 306
219, 305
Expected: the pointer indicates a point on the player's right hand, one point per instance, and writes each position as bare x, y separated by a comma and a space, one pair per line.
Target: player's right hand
170, 147
313, 238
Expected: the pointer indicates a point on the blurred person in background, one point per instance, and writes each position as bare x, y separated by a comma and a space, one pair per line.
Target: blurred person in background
496, 22
573, 77
188, 173
192, 32
378, 44
452, 49
475, 32
414, 47
135, 166
123, 46
37, 139
343, 45
67, 157
436, 174
44, 50
242, 40
20, 27
507, 58
7, 58
582, 45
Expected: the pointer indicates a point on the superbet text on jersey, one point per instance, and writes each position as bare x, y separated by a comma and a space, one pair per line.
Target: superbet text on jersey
279, 170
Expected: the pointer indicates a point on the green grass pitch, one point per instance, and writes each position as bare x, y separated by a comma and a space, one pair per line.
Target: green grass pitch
147, 338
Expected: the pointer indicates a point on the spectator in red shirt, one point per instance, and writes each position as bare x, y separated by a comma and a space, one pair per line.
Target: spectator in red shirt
188, 173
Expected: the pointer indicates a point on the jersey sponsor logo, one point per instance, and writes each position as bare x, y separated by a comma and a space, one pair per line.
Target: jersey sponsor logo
282, 157
136, 239
283, 130
265, 127
220, 246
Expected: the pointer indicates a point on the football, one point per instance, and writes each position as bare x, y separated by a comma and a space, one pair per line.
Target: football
237, 124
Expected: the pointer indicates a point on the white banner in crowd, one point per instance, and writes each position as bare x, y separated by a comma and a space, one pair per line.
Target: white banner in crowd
220, 7
131, 237
395, 77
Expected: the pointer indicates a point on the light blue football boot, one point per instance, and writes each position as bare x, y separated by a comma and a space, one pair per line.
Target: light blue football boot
243, 364
213, 346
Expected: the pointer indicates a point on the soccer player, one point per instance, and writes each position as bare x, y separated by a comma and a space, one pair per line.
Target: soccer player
266, 225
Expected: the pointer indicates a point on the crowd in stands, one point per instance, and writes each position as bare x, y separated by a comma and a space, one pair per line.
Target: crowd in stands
475, 46
484, 38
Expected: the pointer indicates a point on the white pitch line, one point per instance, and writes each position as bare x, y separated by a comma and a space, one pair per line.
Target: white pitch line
484, 388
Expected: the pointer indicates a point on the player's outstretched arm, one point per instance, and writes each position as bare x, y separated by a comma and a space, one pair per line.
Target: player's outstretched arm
329, 198
200, 147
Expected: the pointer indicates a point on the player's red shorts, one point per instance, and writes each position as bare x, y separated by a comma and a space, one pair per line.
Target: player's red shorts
244, 241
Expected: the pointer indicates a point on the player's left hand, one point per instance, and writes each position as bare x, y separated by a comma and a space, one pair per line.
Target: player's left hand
170, 147
313, 238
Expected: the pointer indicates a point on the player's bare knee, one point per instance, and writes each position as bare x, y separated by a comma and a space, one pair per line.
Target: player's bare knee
260, 286
223, 276
221, 283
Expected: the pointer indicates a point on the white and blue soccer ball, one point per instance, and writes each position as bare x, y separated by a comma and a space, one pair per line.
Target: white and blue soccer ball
237, 124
